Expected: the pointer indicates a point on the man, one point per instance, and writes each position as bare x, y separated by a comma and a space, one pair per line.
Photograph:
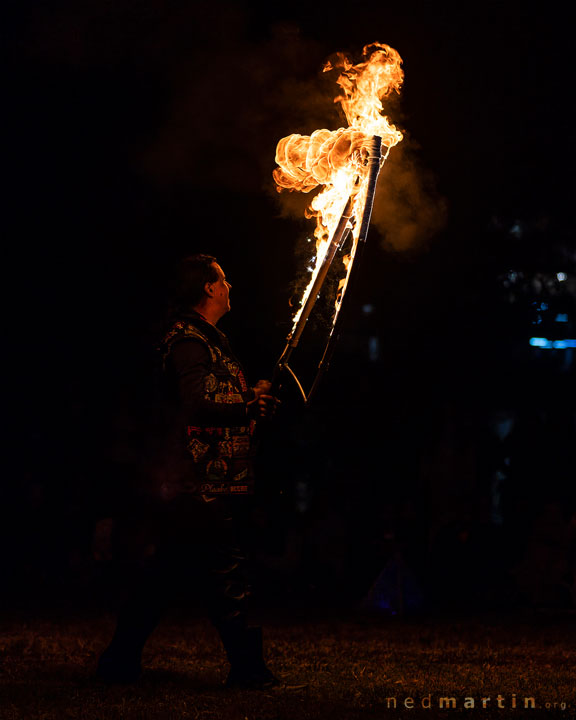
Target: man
208, 470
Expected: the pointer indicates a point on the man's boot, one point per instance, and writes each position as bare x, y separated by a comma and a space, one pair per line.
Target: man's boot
117, 665
121, 662
248, 669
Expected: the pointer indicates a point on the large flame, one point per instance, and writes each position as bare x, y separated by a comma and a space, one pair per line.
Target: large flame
336, 159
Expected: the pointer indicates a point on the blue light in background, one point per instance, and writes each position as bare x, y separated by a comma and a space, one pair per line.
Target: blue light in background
552, 344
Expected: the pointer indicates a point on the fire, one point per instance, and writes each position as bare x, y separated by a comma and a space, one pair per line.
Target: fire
337, 159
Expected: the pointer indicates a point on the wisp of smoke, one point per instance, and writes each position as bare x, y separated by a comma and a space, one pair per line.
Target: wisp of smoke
408, 209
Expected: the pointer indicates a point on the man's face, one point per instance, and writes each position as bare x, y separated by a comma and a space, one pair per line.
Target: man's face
221, 290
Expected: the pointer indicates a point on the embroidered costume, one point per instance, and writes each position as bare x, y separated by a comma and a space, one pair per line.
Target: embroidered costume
213, 427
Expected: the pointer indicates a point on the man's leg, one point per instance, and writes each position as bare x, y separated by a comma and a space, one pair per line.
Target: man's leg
226, 597
147, 595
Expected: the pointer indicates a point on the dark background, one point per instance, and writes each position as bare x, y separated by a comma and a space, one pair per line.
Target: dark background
441, 445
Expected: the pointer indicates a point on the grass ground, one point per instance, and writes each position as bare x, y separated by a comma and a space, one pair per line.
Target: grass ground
354, 666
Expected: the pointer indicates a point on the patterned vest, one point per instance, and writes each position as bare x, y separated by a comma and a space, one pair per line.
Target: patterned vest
220, 458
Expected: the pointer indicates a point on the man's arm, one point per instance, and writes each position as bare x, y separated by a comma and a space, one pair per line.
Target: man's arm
191, 362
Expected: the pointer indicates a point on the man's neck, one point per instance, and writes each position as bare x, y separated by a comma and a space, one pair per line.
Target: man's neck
210, 317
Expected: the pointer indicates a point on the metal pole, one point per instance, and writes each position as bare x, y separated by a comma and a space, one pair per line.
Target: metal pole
374, 161
321, 276
294, 337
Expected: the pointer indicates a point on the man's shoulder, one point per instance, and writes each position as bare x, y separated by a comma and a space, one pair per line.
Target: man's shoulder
182, 331
194, 327
186, 329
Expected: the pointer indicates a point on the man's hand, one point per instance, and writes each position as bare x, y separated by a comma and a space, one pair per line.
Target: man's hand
264, 404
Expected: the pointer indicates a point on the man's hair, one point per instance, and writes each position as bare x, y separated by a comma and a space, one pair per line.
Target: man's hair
191, 276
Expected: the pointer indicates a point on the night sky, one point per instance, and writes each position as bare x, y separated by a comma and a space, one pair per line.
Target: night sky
140, 131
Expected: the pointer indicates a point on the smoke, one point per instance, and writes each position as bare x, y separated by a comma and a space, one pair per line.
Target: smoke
201, 100
408, 209
408, 212
203, 90
229, 108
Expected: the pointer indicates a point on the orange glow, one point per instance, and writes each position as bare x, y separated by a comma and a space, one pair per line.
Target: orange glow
336, 159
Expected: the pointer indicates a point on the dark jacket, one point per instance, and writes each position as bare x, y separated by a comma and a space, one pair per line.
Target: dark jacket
212, 432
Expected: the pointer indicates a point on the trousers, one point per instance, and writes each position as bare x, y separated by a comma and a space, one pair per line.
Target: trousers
193, 550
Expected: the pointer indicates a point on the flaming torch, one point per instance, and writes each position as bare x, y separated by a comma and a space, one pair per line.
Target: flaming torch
346, 163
